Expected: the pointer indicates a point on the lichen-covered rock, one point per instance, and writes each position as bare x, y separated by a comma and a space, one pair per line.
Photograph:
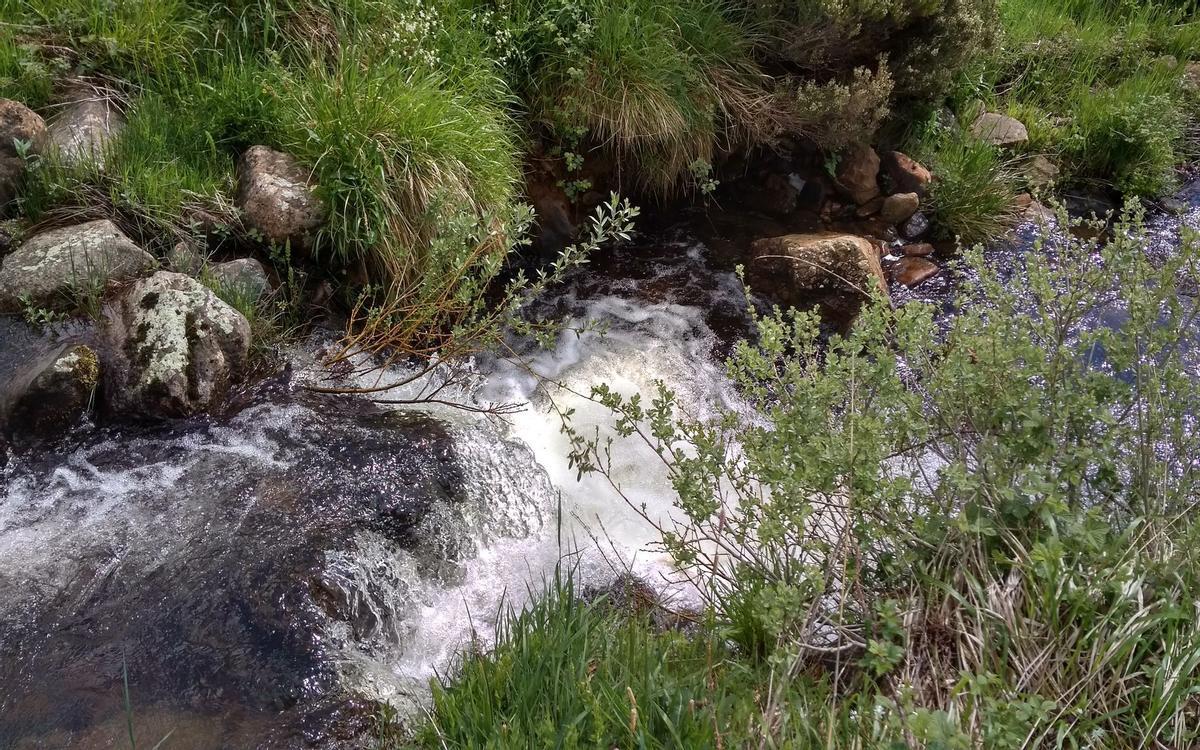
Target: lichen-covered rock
905, 173
899, 208
51, 395
244, 277
999, 130
51, 268
275, 193
83, 131
858, 173
20, 123
178, 348
836, 271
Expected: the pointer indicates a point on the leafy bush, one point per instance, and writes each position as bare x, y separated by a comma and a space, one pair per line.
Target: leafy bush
986, 533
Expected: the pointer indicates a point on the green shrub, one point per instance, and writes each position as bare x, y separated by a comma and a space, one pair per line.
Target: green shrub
985, 533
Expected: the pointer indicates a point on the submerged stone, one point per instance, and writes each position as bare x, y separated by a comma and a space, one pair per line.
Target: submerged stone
52, 395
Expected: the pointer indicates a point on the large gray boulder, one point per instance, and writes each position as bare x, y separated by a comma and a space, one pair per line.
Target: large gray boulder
838, 272
275, 194
52, 268
84, 130
50, 395
178, 348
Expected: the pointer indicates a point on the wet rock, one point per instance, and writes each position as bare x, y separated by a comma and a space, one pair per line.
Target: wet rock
1037, 212
179, 348
899, 208
1090, 206
1041, 172
82, 133
52, 395
275, 192
778, 196
999, 130
838, 271
918, 249
915, 227
244, 277
812, 194
912, 271
551, 207
50, 268
870, 208
20, 123
858, 173
905, 174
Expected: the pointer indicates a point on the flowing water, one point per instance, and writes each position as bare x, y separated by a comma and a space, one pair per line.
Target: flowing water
258, 579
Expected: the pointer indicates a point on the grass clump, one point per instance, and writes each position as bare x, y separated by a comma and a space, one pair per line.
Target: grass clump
972, 199
572, 674
1102, 83
992, 546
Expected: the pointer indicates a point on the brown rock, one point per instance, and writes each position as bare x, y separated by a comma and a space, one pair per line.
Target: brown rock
899, 208
905, 173
276, 195
858, 173
796, 269
1022, 201
1041, 172
778, 196
20, 123
912, 271
918, 249
999, 130
870, 208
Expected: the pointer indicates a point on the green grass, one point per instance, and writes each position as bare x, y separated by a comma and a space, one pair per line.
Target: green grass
1100, 82
993, 547
572, 674
972, 198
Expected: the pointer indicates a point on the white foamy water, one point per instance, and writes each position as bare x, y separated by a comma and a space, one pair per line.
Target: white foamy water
524, 531
311, 542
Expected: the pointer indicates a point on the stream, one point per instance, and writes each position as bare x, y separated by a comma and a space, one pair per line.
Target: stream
262, 578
